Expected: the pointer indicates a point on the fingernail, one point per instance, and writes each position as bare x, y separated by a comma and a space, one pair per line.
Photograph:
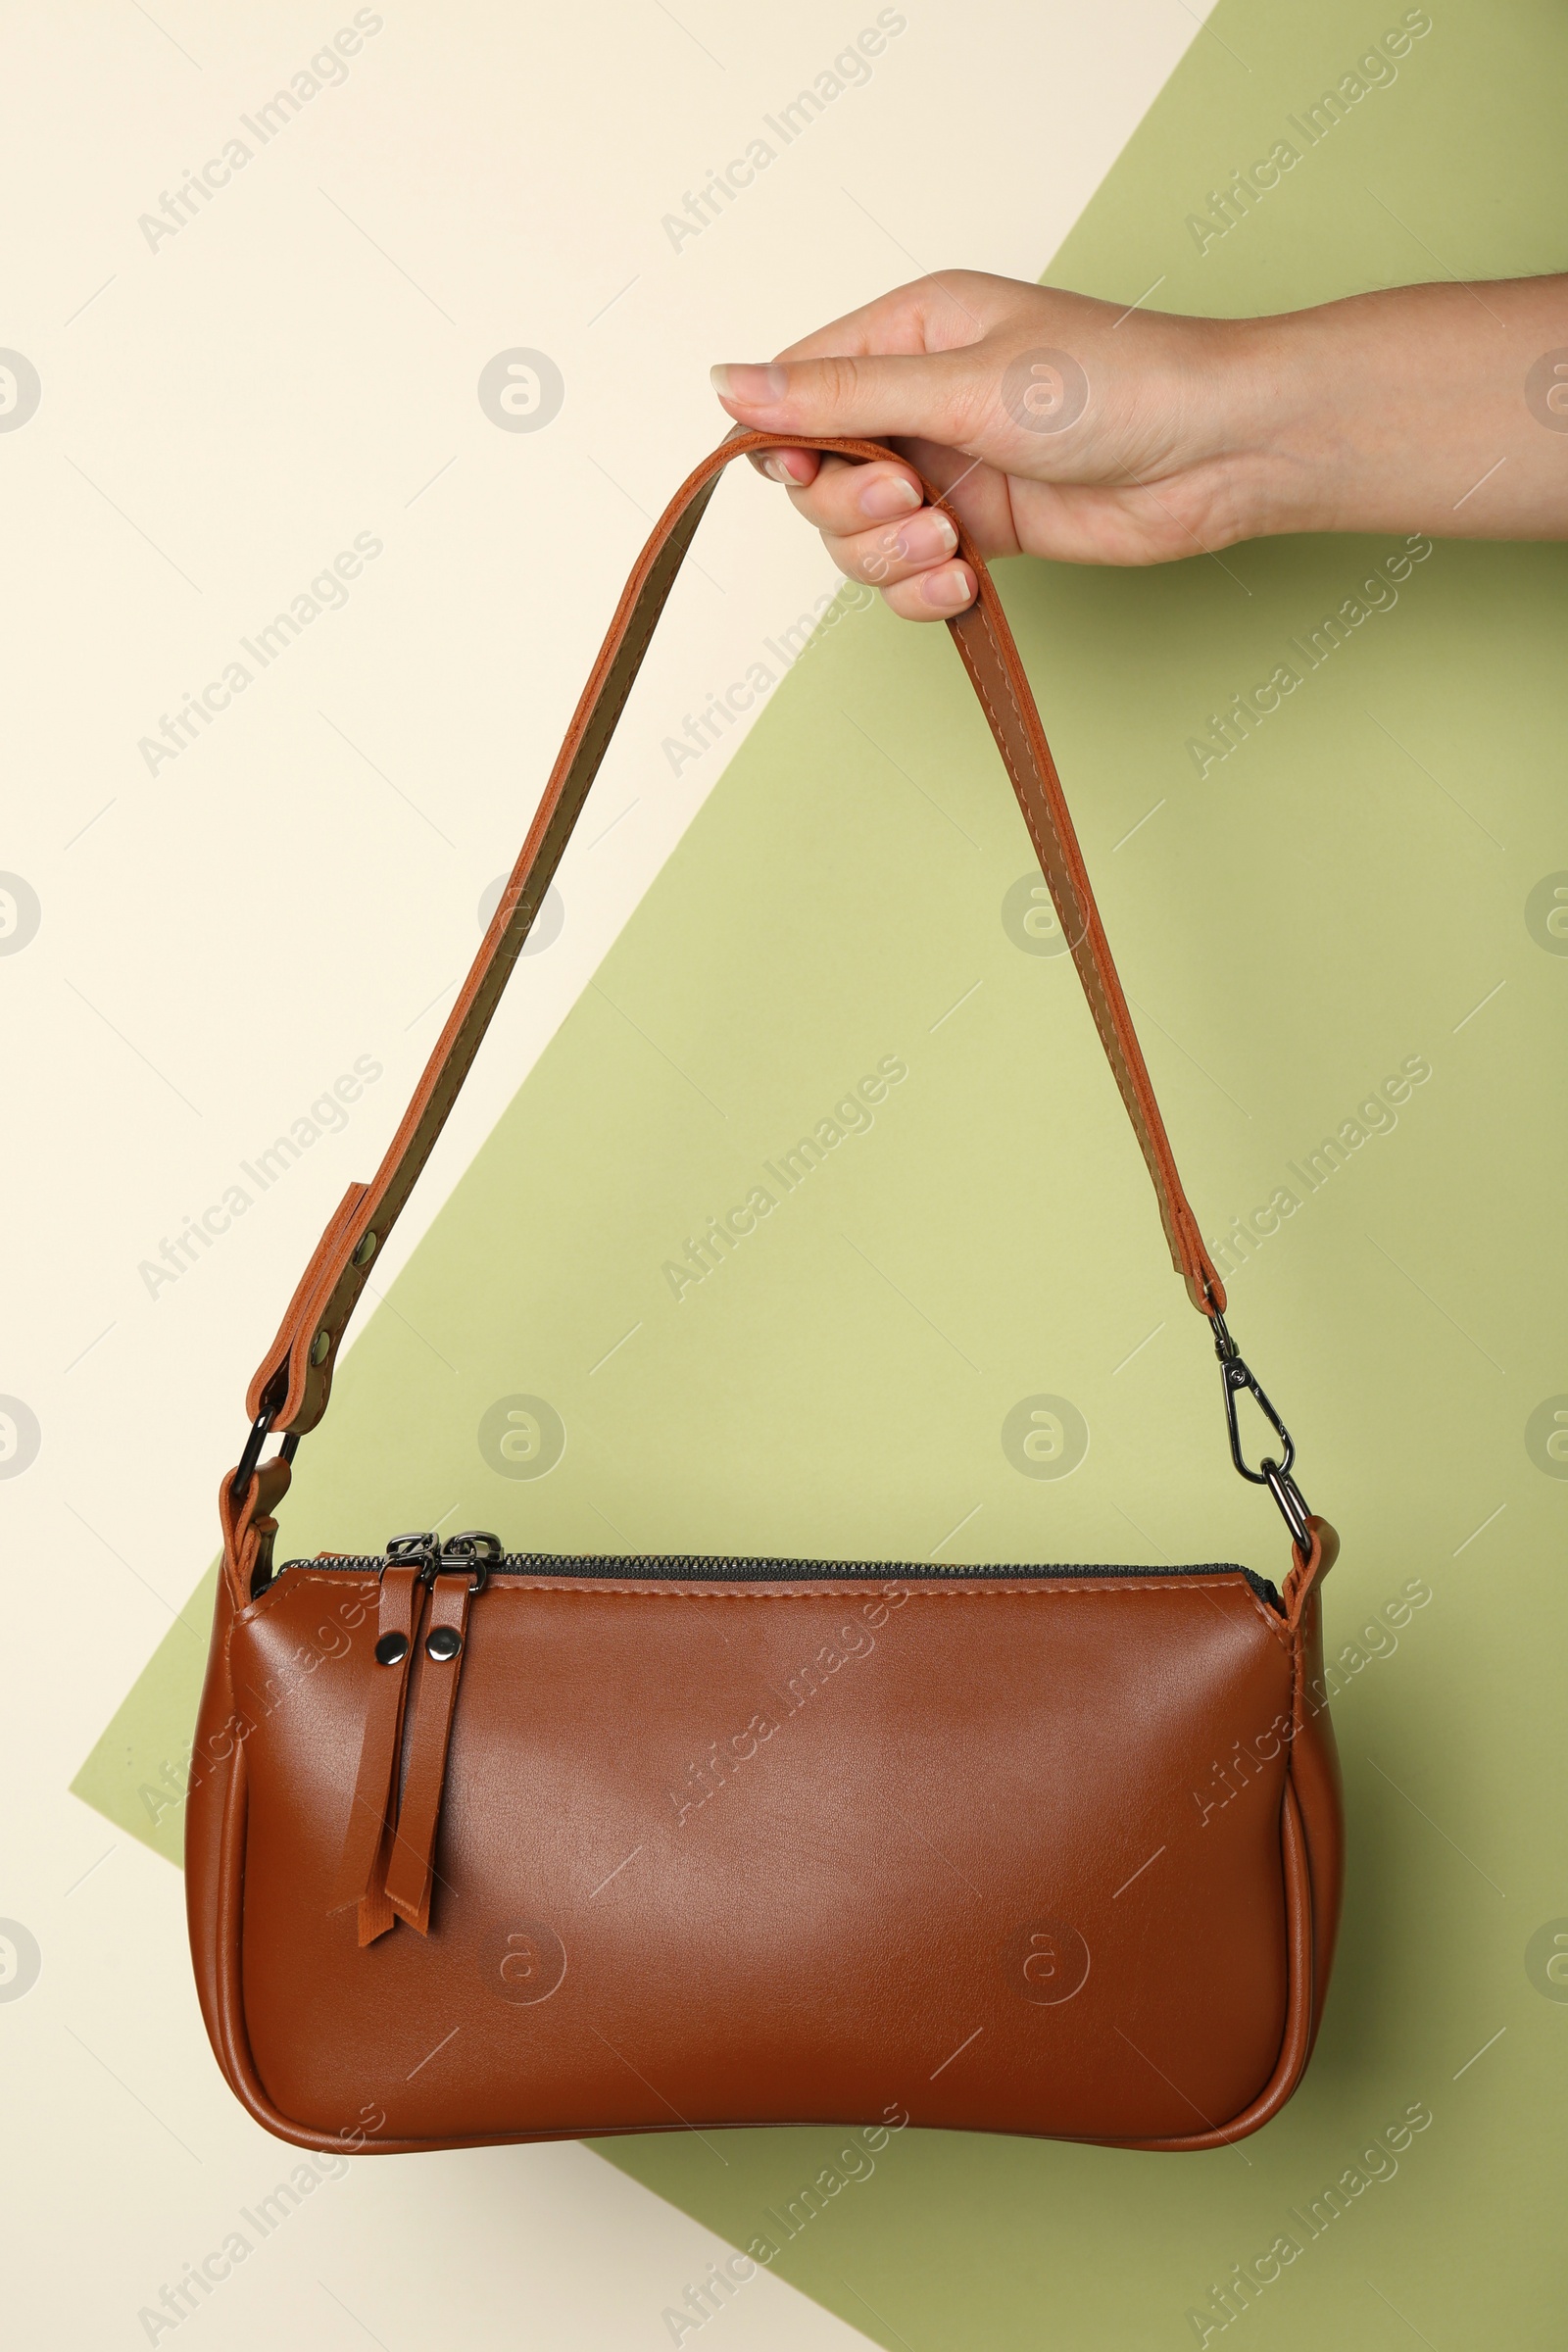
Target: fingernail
926, 536
774, 469
752, 388
947, 589
886, 494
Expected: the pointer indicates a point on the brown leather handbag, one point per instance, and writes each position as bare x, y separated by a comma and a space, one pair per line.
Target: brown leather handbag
1031, 1849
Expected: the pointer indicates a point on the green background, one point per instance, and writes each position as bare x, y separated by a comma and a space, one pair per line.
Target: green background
1338, 895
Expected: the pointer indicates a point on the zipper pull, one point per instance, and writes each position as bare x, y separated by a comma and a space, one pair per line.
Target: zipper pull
377, 1856
417, 1552
410, 1869
477, 1551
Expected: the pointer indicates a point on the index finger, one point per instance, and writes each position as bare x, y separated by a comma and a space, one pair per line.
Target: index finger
944, 311
941, 312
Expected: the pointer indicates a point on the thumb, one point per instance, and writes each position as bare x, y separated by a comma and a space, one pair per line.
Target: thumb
937, 396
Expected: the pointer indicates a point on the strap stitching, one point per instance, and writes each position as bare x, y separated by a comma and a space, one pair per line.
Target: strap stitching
1097, 994
601, 721
453, 1071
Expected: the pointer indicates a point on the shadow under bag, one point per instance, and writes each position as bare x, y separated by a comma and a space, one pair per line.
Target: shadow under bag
1031, 1849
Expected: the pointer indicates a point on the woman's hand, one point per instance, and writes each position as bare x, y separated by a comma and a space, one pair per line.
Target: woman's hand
1057, 426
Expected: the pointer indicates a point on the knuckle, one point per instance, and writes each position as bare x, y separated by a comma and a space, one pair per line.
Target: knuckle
837, 378
972, 396
941, 287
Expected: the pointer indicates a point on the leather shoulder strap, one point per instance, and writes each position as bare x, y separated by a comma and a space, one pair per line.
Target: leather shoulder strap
292, 1385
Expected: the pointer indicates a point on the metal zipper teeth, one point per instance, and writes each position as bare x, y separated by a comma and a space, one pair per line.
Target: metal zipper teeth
704, 1568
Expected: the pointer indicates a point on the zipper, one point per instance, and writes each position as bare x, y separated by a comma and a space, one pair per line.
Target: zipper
482, 1554
389, 1865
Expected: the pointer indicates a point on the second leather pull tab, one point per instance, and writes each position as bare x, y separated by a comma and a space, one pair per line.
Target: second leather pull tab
411, 1873
362, 1863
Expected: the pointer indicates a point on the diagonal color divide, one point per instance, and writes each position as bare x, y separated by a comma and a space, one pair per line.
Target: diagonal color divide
1303, 919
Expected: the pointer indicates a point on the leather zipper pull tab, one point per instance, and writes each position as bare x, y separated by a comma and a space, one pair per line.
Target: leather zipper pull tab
362, 1866
410, 1871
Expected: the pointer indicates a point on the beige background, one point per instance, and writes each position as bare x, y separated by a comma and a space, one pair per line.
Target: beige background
221, 415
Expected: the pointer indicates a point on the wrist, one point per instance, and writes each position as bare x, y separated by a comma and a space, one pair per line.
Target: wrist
1287, 411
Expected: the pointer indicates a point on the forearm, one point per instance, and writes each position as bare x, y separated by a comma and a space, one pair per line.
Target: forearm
1439, 408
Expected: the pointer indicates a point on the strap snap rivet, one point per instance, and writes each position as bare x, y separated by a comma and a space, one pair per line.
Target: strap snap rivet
366, 1251
320, 1348
445, 1643
391, 1649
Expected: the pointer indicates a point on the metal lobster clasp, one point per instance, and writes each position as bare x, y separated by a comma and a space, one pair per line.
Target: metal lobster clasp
1237, 1375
